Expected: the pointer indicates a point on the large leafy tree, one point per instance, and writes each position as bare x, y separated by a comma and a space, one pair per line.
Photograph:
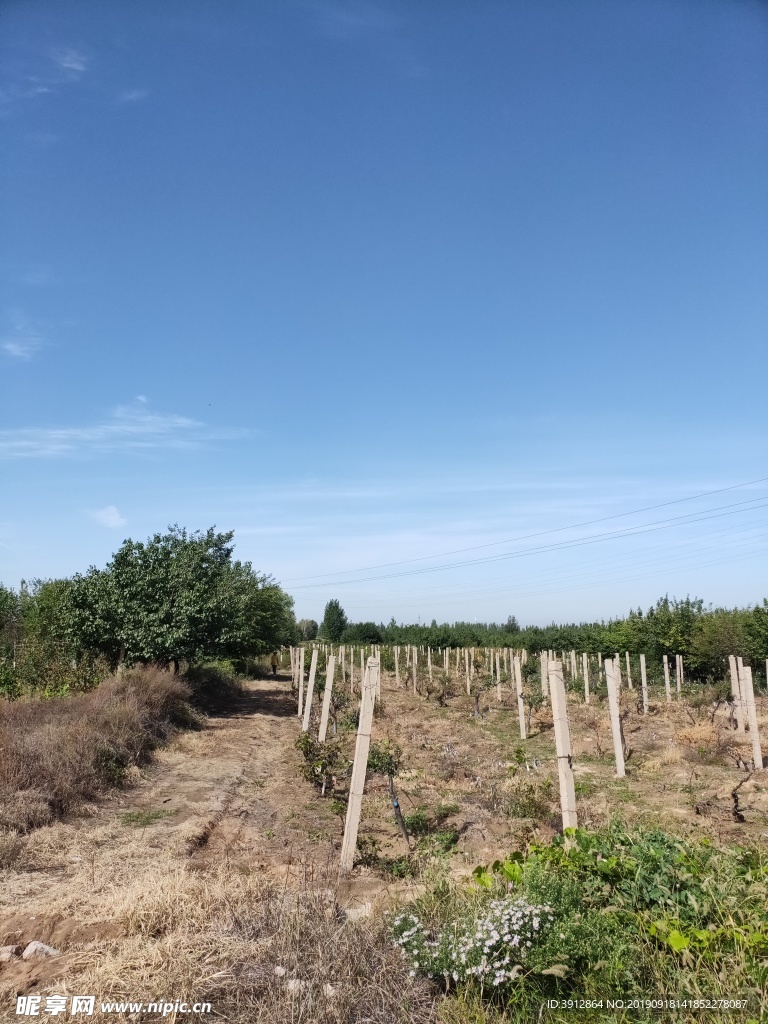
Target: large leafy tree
178, 596
334, 622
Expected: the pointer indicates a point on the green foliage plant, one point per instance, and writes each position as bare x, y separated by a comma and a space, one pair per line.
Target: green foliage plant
634, 913
334, 622
323, 762
177, 596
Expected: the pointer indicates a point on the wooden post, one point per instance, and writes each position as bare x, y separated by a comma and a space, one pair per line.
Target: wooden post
738, 698
585, 673
544, 682
562, 745
749, 698
629, 672
359, 768
613, 709
310, 692
666, 679
397, 667
301, 681
498, 679
362, 665
617, 672
429, 664
466, 666
644, 684
678, 674
327, 694
520, 701
415, 668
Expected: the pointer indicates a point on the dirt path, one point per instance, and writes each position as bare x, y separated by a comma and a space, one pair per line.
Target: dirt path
230, 793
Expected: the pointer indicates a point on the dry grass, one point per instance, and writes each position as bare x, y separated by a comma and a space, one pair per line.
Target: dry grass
257, 952
56, 754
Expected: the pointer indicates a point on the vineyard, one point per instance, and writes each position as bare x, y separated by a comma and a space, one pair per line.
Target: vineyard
362, 830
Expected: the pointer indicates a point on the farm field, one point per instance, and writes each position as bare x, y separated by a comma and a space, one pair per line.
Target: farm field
146, 894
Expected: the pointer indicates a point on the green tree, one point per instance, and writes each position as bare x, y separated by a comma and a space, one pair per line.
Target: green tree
334, 622
307, 628
177, 596
362, 633
756, 628
718, 634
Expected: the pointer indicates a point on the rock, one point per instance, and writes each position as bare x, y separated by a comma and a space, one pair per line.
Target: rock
8, 953
37, 950
280, 972
294, 985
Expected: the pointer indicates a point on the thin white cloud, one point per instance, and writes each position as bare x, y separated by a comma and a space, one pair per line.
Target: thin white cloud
128, 428
132, 95
23, 339
69, 59
59, 67
20, 348
109, 517
26, 89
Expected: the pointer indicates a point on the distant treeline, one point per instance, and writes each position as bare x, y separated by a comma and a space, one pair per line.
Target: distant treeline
176, 597
704, 636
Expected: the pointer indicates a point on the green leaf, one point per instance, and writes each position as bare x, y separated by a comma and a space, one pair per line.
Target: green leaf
483, 877
677, 940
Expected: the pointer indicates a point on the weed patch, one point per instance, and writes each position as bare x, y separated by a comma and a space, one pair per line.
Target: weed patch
56, 754
616, 912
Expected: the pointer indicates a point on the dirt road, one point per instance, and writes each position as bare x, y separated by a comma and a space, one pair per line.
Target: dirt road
230, 793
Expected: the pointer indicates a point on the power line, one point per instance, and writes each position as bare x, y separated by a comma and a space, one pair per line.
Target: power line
529, 536
558, 576
632, 531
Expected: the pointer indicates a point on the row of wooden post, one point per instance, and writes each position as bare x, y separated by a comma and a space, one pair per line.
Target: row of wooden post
740, 675
553, 684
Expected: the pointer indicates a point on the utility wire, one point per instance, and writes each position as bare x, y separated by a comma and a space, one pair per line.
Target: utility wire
632, 531
528, 536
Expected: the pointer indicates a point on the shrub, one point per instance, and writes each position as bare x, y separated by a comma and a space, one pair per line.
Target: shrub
629, 913
57, 753
385, 758
322, 761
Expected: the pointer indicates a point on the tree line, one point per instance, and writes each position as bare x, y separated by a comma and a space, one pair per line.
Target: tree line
177, 597
705, 636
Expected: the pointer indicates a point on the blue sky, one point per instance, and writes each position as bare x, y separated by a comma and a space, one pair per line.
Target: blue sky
375, 282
